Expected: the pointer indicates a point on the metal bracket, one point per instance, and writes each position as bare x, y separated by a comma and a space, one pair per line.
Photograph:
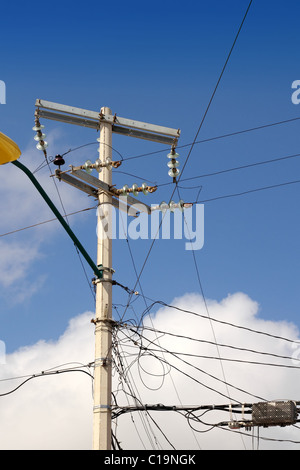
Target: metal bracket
103, 268
92, 186
95, 182
59, 217
123, 126
99, 407
102, 361
113, 323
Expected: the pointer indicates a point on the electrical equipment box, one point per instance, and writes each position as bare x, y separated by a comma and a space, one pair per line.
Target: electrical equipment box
274, 413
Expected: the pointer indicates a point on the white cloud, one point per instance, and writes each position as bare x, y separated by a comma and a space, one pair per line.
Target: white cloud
15, 260
51, 412
22, 206
56, 412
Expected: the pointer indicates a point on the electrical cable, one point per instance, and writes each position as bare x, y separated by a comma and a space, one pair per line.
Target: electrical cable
128, 379
42, 165
249, 191
145, 301
197, 133
44, 222
243, 193
237, 348
192, 377
66, 217
119, 368
228, 170
211, 139
242, 361
194, 417
44, 374
191, 312
215, 90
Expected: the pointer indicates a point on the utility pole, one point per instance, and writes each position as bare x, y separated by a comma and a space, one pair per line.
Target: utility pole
106, 194
103, 325
265, 414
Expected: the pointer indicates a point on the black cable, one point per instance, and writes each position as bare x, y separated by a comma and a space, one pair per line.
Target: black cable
44, 222
44, 374
205, 373
242, 361
228, 170
197, 133
93, 143
191, 312
76, 248
124, 375
210, 139
249, 191
237, 348
215, 90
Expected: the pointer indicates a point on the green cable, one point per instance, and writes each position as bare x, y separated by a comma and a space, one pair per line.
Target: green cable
44, 195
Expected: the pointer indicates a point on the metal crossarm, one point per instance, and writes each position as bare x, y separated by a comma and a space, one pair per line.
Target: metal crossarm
92, 119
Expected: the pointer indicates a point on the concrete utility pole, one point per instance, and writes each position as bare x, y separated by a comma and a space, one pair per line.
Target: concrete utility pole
107, 195
103, 326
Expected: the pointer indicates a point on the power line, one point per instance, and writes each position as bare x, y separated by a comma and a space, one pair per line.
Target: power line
215, 89
236, 348
199, 128
228, 170
45, 374
128, 379
209, 139
216, 320
192, 377
45, 222
222, 136
249, 191
202, 201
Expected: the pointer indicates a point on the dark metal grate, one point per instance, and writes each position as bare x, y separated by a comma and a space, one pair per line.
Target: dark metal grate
274, 413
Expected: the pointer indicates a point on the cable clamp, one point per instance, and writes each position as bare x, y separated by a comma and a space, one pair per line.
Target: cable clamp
102, 268
102, 361
104, 407
113, 323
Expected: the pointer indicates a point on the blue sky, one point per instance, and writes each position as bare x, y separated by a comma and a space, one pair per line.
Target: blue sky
160, 65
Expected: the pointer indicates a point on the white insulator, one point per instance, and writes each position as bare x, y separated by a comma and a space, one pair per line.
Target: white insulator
39, 137
87, 166
125, 190
173, 155
38, 128
163, 206
173, 163
172, 206
42, 146
98, 165
181, 205
144, 188
173, 172
108, 163
135, 189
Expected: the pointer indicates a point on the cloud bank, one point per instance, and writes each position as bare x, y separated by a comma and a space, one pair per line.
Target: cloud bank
22, 206
178, 364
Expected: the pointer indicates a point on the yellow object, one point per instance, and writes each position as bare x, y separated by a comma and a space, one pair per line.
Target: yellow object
9, 151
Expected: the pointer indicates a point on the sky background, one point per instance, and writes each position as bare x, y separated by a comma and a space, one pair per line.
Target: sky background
157, 64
